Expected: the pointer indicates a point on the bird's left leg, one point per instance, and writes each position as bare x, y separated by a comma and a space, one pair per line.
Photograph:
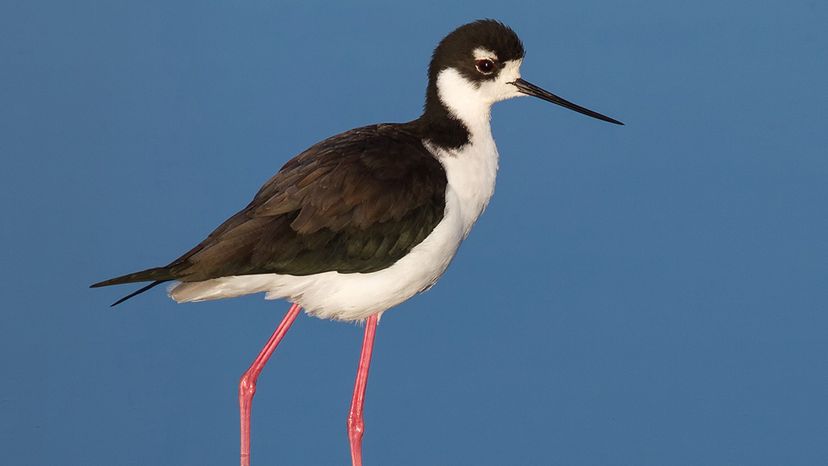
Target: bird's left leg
356, 426
247, 384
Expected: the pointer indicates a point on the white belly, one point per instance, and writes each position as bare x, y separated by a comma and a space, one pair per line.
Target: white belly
356, 296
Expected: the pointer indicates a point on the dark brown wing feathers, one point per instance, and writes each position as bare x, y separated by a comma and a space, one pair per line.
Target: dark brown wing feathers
357, 202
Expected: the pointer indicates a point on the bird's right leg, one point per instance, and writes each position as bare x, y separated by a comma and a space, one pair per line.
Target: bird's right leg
247, 384
356, 425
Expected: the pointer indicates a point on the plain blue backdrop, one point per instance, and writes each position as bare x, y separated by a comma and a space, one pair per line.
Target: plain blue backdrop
653, 294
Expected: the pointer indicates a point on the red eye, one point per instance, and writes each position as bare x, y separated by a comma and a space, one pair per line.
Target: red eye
484, 65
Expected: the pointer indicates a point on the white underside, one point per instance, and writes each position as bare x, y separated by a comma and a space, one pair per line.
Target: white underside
470, 171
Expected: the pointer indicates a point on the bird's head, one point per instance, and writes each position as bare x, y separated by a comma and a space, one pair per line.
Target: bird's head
477, 65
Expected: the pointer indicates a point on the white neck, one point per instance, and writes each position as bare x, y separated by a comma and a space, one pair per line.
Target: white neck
472, 168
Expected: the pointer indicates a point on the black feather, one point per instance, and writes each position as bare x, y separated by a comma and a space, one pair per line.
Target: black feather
155, 273
138, 291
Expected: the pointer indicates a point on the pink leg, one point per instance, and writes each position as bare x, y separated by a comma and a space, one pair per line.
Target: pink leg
247, 384
356, 426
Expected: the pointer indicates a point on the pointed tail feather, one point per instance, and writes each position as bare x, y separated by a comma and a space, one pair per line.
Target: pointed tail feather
157, 275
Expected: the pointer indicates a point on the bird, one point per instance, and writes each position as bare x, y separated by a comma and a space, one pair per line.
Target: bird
364, 220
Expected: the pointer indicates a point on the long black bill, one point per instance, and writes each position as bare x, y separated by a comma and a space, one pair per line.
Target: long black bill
528, 88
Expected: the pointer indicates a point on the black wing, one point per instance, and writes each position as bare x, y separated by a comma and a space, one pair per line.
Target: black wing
357, 202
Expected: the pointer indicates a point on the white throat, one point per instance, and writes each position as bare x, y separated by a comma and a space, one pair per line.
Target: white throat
471, 102
463, 101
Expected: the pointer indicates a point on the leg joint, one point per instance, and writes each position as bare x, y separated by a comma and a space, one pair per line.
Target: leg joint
356, 425
247, 385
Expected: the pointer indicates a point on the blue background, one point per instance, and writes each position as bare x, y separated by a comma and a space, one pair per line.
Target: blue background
654, 294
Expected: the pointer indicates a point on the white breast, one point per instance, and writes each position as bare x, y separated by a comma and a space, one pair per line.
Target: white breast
471, 171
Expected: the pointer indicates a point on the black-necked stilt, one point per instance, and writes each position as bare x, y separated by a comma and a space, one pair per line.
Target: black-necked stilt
364, 220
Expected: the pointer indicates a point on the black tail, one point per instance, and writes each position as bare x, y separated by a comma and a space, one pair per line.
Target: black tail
158, 275
137, 292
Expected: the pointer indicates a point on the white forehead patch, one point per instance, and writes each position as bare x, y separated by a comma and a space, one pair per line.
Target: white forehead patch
480, 53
